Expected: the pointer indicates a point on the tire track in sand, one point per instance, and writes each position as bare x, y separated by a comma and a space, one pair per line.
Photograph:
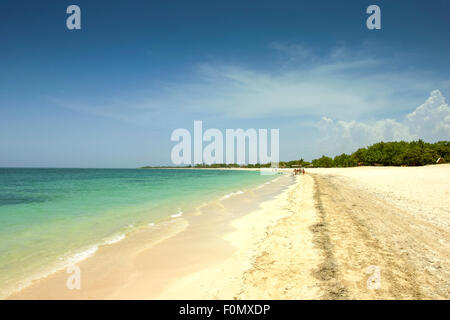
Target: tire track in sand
355, 233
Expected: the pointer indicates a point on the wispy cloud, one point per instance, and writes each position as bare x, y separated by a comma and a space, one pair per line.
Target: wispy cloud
359, 97
340, 84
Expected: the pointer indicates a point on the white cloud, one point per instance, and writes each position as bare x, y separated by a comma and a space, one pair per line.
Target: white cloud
430, 122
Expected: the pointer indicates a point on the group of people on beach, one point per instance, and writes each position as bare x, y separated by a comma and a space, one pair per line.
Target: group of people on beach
299, 171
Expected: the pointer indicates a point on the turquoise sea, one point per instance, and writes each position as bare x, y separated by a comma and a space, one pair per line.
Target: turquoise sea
49, 217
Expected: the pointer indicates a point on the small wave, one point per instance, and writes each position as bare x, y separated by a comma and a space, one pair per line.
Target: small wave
115, 239
64, 263
179, 214
151, 224
80, 256
231, 194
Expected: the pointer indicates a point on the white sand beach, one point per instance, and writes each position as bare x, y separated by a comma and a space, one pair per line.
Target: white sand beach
316, 239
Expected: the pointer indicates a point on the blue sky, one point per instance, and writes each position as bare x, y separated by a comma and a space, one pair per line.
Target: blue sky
110, 94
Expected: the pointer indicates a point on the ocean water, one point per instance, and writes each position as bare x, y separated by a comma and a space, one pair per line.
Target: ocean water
52, 217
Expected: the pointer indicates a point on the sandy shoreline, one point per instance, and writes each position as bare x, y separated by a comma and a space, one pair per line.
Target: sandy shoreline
330, 236
142, 264
315, 236
268, 263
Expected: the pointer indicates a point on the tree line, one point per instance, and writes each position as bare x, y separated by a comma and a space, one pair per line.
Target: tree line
401, 153
398, 153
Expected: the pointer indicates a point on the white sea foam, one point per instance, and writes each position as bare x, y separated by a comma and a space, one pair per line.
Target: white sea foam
115, 239
65, 262
179, 214
80, 256
231, 194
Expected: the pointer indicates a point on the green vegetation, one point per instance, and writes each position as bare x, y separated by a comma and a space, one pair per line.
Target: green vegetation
415, 153
213, 166
402, 153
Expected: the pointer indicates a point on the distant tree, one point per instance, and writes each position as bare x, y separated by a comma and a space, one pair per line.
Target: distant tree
323, 162
345, 160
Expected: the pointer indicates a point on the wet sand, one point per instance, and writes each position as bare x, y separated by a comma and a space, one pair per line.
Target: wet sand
275, 254
354, 233
147, 261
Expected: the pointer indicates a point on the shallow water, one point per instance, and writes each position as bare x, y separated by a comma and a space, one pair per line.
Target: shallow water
52, 217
